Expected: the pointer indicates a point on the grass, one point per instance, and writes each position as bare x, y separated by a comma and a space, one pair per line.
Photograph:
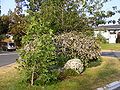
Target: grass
8, 76
110, 47
92, 78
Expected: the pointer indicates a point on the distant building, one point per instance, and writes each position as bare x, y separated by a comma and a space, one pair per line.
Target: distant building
110, 32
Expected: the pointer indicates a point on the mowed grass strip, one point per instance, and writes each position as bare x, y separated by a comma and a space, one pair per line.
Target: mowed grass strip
92, 78
115, 47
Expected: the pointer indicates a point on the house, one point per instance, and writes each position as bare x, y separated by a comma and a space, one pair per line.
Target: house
110, 32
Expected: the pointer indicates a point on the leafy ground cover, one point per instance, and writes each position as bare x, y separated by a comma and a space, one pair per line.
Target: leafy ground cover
110, 47
92, 78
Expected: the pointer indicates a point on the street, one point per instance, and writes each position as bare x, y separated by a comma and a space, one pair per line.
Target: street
111, 54
8, 58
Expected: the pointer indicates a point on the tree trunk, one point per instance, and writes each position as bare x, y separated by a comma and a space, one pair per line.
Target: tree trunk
32, 78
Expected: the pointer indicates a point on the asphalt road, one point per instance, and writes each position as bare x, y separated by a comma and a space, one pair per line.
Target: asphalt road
7, 58
117, 88
111, 54
10, 57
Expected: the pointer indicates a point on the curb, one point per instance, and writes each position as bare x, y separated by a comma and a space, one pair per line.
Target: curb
111, 86
109, 51
9, 65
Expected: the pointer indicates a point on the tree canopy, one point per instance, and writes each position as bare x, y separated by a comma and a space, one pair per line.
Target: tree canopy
4, 24
60, 9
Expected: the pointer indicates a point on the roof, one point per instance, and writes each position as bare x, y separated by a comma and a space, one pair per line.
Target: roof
108, 27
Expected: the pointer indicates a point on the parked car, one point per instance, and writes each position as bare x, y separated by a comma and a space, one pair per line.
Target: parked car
7, 46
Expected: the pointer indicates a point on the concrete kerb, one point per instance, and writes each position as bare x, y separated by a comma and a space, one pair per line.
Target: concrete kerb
9, 65
111, 86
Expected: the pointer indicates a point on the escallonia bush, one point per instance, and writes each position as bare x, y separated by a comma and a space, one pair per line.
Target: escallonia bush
74, 44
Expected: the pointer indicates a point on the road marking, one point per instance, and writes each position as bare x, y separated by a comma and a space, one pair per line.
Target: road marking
5, 54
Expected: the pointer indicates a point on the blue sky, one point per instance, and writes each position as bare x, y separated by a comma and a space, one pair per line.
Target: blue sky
10, 4
6, 5
109, 5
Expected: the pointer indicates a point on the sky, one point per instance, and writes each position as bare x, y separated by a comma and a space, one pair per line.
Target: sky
10, 4
6, 5
109, 5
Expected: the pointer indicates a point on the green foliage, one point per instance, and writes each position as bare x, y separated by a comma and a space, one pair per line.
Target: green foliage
100, 39
66, 15
63, 16
97, 15
2, 36
94, 63
14, 24
66, 73
17, 26
4, 24
76, 45
38, 54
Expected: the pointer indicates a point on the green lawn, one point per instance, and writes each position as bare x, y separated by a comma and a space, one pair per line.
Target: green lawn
92, 78
110, 47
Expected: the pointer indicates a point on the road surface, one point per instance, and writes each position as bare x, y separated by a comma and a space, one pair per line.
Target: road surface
10, 57
7, 58
111, 54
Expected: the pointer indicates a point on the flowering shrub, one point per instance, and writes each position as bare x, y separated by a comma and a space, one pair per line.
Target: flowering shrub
76, 45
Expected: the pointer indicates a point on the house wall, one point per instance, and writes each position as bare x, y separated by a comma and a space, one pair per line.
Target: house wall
109, 35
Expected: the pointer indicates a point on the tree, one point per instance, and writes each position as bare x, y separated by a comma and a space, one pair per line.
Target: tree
38, 53
17, 26
68, 14
62, 16
97, 16
4, 24
113, 12
33, 5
